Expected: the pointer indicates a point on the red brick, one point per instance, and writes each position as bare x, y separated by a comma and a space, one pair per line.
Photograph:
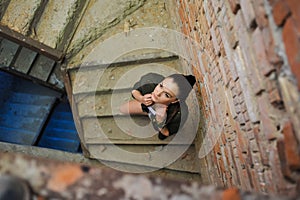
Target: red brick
248, 13
283, 162
274, 94
270, 47
292, 46
244, 109
217, 148
241, 169
224, 67
260, 51
247, 91
272, 2
280, 12
231, 194
262, 144
241, 140
277, 177
239, 91
244, 56
248, 128
292, 153
234, 5
241, 119
214, 39
192, 13
269, 185
246, 115
268, 126
255, 181
260, 13
254, 149
232, 168
182, 15
294, 6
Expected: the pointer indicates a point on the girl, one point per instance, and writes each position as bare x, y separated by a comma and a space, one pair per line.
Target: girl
163, 99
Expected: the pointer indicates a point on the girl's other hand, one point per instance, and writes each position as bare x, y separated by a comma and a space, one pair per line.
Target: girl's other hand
147, 100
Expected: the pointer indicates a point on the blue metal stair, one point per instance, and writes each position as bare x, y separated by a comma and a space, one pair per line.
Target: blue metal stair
22, 119
28, 116
23, 111
61, 132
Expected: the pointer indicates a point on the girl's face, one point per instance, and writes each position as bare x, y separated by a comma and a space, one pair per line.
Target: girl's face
165, 92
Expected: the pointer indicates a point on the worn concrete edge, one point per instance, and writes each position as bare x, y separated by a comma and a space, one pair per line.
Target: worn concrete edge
142, 59
40, 152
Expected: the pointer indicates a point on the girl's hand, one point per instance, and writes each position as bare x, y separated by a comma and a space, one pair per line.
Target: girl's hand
146, 100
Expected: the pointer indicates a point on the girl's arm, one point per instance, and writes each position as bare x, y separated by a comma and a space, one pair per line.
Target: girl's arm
144, 99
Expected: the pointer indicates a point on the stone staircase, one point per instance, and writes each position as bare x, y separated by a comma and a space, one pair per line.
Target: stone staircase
108, 135
44, 32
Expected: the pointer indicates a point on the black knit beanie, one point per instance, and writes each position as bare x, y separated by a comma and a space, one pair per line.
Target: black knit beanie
185, 84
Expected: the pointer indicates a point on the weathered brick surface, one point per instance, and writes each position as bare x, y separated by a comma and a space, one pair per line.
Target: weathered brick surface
280, 12
291, 38
243, 56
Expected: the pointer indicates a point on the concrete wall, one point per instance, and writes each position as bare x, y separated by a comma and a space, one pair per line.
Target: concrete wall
246, 57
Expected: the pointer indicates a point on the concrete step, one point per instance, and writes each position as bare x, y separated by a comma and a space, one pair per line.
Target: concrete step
119, 131
101, 105
8, 50
42, 68
113, 78
24, 60
130, 130
19, 15
58, 21
175, 157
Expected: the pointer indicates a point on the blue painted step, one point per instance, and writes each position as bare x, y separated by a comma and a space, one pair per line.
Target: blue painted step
65, 124
17, 136
60, 144
63, 115
61, 132
23, 123
31, 99
24, 110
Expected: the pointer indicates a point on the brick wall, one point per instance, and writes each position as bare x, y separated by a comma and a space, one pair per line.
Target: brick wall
247, 64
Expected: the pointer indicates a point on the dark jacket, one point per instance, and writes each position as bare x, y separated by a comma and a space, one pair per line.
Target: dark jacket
176, 112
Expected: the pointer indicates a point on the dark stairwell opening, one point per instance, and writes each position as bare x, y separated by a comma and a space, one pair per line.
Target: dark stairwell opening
34, 115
